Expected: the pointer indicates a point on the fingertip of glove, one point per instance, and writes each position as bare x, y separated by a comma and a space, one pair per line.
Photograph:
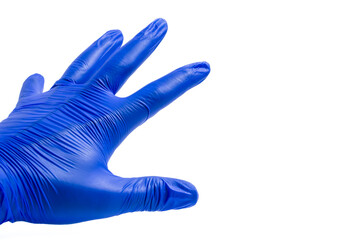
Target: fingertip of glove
190, 197
193, 196
183, 194
161, 25
36, 75
199, 71
113, 35
113, 32
154, 30
201, 67
160, 22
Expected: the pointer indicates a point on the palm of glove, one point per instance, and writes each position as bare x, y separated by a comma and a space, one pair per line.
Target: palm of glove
54, 147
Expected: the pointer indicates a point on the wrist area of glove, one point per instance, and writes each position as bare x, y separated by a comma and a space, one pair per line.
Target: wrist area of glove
5, 196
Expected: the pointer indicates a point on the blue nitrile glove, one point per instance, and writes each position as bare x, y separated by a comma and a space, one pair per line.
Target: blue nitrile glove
55, 146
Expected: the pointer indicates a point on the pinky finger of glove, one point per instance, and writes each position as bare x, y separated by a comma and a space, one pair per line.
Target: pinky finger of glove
33, 85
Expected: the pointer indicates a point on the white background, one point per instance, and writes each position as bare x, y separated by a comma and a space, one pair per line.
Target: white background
271, 139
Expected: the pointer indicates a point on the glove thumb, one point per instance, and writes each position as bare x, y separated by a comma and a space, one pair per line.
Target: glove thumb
157, 194
33, 85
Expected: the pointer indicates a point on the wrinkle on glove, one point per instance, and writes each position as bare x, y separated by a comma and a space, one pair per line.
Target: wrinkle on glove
55, 145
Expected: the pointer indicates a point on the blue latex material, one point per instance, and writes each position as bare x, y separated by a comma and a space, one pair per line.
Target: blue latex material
55, 145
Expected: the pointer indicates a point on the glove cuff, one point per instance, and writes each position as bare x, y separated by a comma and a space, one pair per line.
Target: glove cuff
5, 210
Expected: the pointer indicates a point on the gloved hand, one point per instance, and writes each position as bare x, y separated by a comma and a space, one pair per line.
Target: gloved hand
55, 146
